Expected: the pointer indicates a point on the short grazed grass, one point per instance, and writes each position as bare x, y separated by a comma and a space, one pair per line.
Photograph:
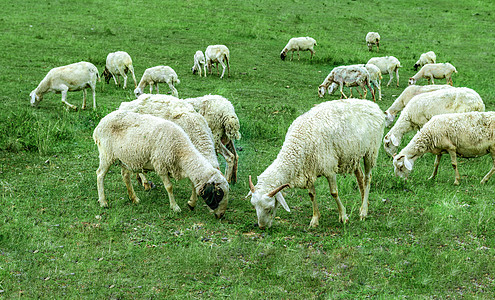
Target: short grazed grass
422, 239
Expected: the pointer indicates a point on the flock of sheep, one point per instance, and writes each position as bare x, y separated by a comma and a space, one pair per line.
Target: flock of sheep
181, 138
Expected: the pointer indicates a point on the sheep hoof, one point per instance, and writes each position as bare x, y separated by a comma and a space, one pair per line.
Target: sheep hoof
190, 207
314, 222
344, 219
175, 208
103, 203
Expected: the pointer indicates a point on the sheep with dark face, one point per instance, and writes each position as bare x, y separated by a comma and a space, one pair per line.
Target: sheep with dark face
118, 64
425, 58
217, 54
373, 38
299, 44
144, 142
155, 75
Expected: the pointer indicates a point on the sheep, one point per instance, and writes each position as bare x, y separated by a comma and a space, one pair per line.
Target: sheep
425, 58
299, 44
387, 65
423, 107
224, 124
144, 142
182, 114
432, 71
329, 139
155, 75
199, 62
469, 134
406, 96
69, 78
348, 75
373, 38
118, 63
217, 54
375, 78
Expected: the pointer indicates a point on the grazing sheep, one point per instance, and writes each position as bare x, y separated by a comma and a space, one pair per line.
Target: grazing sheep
387, 65
217, 54
423, 107
425, 58
119, 63
154, 76
299, 44
373, 38
435, 71
375, 78
183, 114
329, 139
346, 75
69, 78
144, 142
406, 96
199, 63
468, 134
224, 124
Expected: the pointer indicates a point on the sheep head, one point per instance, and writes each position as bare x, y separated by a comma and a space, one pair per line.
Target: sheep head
216, 193
416, 66
402, 166
266, 204
412, 81
138, 92
35, 99
390, 143
283, 54
321, 90
389, 119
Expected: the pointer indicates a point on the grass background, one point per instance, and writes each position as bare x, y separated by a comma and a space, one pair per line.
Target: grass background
422, 239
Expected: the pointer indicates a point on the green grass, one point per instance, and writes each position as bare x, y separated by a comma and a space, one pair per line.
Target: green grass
422, 239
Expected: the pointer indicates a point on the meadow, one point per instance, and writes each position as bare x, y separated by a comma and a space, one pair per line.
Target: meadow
422, 239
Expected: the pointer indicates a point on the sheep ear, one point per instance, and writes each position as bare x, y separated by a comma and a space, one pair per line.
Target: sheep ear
394, 140
408, 164
281, 200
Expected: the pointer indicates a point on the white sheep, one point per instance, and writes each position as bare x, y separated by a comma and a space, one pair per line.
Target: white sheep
299, 44
435, 71
118, 64
217, 54
426, 58
375, 78
199, 63
423, 107
387, 65
406, 96
157, 75
460, 134
331, 138
373, 38
144, 142
350, 76
224, 124
69, 78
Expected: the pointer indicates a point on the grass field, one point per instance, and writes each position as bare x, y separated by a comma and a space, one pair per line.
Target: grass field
422, 239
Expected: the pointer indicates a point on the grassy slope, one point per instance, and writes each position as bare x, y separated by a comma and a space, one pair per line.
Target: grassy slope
421, 238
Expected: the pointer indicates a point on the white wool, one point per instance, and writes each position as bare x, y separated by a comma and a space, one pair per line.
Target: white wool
118, 64
373, 38
69, 78
421, 108
199, 63
354, 75
331, 138
299, 44
387, 65
218, 54
435, 71
157, 75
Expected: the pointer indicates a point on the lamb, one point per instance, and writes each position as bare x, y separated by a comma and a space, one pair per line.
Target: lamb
348, 75
182, 114
373, 38
425, 58
435, 71
406, 96
387, 65
224, 124
144, 142
299, 44
199, 62
329, 139
155, 75
69, 78
217, 54
469, 134
423, 107
118, 64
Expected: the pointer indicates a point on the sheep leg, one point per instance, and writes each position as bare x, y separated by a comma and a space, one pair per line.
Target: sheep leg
292, 56
216, 66
490, 173
298, 56
228, 67
231, 147
125, 80
156, 88
391, 77
133, 76
114, 79
363, 211
174, 90
93, 90
64, 96
151, 87
332, 183
341, 92
148, 185
100, 177
397, 75
169, 188
223, 66
316, 213
194, 198
432, 80
230, 159
84, 99
312, 53
204, 68
453, 158
435, 166
377, 47
126, 176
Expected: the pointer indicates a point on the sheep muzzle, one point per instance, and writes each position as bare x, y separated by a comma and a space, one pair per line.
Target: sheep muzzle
212, 195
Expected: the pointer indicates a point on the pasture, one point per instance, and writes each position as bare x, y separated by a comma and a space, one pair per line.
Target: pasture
422, 239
